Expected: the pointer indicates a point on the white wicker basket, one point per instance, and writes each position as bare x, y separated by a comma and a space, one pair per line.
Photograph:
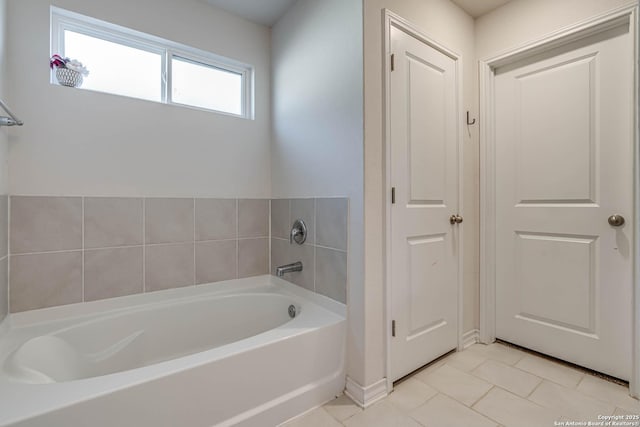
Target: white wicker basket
67, 77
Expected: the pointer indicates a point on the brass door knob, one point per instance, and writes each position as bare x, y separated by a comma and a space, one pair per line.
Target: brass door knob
616, 220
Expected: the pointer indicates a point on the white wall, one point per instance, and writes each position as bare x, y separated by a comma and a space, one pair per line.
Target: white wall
4, 142
317, 147
446, 23
4, 83
77, 142
521, 21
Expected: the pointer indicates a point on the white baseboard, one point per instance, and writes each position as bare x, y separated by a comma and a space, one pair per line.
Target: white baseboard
470, 338
366, 396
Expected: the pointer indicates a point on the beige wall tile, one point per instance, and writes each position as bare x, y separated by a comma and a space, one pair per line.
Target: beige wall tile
279, 253
40, 224
305, 254
4, 225
168, 220
110, 221
216, 219
4, 289
169, 266
280, 218
331, 274
45, 280
253, 218
216, 261
110, 273
331, 223
304, 209
253, 257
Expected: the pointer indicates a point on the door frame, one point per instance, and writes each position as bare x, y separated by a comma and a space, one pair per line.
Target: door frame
389, 21
487, 67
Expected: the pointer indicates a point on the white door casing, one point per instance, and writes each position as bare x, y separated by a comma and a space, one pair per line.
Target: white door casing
424, 247
561, 116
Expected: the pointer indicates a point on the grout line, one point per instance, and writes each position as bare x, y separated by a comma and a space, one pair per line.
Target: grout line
237, 238
49, 252
8, 213
270, 234
315, 247
144, 245
105, 248
82, 228
536, 387
483, 396
310, 244
195, 280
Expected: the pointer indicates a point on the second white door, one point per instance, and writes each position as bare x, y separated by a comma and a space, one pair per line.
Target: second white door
564, 168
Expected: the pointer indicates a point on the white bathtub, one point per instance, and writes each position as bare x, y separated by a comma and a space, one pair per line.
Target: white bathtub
221, 354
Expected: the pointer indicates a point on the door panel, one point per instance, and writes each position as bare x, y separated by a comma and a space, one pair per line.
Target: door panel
424, 171
556, 136
564, 164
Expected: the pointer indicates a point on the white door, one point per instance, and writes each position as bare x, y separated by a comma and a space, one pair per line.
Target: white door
424, 172
564, 165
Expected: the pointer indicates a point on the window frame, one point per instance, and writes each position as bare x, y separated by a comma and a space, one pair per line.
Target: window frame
63, 20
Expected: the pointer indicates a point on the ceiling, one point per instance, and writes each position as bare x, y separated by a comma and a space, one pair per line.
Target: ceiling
267, 12
478, 8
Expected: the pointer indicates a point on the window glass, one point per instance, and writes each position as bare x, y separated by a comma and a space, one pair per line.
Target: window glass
206, 86
116, 68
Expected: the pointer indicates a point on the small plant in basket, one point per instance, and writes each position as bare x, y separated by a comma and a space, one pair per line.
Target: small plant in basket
69, 72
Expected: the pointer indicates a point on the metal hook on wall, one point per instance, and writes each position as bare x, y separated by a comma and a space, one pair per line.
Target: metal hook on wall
470, 123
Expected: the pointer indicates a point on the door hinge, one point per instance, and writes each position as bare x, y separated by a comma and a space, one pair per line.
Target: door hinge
393, 195
393, 328
393, 61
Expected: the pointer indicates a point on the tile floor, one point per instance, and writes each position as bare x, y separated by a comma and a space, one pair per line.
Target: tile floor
492, 385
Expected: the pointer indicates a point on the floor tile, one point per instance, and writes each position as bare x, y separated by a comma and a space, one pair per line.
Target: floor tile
442, 411
499, 352
571, 403
433, 366
342, 408
621, 411
466, 360
608, 392
459, 385
513, 411
382, 414
410, 394
551, 371
507, 377
316, 418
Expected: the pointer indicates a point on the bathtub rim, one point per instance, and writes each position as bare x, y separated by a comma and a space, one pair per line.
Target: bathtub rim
79, 311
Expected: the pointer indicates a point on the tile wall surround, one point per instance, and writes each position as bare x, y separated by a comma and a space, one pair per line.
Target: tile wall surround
65, 250
4, 257
324, 254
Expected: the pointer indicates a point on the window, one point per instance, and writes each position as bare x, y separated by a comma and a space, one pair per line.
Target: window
129, 63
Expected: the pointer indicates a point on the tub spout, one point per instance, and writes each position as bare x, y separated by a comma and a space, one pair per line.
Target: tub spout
288, 268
